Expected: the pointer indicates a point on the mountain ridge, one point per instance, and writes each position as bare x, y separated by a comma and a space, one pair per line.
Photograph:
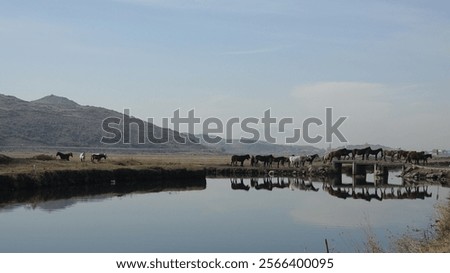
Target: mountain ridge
55, 121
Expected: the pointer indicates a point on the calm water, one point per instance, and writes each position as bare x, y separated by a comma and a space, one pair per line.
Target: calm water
282, 216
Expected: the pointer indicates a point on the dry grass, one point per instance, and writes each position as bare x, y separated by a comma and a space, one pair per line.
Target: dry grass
436, 240
29, 162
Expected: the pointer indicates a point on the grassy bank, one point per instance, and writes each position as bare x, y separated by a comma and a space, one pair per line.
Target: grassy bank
434, 240
25, 172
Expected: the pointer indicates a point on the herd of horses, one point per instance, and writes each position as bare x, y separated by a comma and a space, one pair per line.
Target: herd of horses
366, 153
269, 160
94, 157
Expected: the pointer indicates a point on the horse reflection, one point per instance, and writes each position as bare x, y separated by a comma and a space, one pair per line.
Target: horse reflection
407, 193
342, 193
235, 185
280, 184
366, 195
299, 183
266, 185
363, 193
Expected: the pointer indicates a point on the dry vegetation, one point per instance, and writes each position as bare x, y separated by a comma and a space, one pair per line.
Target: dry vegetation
436, 240
29, 162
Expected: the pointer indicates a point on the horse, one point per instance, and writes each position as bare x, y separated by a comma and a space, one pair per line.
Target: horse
311, 158
239, 158
401, 154
82, 156
416, 156
375, 152
338, 154
280, 159
253, 161
266, 159
362, 152
64, 156
297, 160
97, 157
391, 153
425, 158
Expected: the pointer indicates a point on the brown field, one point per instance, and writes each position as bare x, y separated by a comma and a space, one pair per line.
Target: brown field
24, 162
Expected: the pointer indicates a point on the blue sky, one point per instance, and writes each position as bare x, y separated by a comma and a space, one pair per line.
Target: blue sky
383, 64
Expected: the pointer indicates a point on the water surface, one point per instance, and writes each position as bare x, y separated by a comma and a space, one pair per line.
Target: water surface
280, 215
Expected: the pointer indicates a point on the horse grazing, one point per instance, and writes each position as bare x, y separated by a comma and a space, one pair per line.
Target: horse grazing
311, 158
401, 154
297, 160
97, 157
266, 159
416, 156
239, 158
64, 156
337, 154
82, 156
391, 153
361, 152
280, 159
375, 152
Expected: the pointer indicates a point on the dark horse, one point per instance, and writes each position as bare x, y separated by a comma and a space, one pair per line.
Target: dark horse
280, 159
375, 152
239, 158
266, 159
64, 156
362, 152
310, 158
337, 154
97, 157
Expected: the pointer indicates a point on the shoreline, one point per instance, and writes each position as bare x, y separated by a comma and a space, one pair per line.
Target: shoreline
28, 171
26, 179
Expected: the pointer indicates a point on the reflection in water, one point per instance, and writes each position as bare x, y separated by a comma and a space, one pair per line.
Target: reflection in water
63, 197
359, 188
192, 216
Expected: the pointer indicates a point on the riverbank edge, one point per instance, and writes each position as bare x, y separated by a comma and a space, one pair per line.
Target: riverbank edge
98, 177
129, 175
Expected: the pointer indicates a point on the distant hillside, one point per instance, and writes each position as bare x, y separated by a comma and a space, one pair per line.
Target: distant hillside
57, 121
265, 148
54, 121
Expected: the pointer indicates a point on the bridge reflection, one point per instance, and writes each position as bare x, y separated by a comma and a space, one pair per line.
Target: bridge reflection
354, 187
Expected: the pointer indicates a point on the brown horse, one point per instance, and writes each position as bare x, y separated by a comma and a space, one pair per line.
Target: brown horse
390, 153
97, 157
337, 154
416, 156
64, 156
239, 158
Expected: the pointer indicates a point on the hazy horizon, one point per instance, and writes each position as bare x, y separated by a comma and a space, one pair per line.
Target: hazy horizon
383, 64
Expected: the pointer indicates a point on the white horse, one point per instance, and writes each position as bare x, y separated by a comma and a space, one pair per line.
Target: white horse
296, 160
82, 156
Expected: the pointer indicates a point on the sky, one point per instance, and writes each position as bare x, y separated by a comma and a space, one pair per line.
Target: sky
383, 65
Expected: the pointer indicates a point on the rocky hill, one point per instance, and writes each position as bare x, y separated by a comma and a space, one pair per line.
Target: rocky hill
55, 121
